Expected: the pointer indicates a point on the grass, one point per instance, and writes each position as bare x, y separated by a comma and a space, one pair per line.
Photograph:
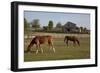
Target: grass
63, 52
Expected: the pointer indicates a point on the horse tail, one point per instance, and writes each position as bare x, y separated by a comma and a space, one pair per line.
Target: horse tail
78, 42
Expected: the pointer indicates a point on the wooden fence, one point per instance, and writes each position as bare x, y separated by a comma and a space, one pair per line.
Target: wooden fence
56, 35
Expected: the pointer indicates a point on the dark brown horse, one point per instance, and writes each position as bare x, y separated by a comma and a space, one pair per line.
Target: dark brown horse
74, 39
38, 40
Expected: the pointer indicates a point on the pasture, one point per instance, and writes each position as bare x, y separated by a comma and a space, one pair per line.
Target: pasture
63, 52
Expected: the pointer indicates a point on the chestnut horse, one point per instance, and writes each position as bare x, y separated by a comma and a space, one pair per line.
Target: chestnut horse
38, 40
74, 39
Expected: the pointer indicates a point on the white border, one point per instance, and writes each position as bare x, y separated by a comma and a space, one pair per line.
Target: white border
22, 64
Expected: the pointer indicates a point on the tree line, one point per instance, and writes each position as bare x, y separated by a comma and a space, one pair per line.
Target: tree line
35, 26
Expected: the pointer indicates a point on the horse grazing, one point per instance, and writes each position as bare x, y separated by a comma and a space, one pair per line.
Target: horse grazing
38, 40
74, 39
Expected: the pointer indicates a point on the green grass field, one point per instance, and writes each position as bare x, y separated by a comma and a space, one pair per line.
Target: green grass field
63, 52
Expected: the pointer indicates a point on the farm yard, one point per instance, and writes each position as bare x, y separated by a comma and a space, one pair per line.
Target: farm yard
63, 52
58, 25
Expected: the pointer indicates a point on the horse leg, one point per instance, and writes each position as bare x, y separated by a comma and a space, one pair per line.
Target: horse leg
37, 46
67, 42
78, 42
37, 49
41, 48
51, 46
65, 39
74, 43
54, 50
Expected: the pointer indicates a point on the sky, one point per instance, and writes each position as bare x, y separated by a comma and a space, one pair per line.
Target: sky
81, 19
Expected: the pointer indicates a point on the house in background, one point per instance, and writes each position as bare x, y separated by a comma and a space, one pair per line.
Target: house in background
70, 27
